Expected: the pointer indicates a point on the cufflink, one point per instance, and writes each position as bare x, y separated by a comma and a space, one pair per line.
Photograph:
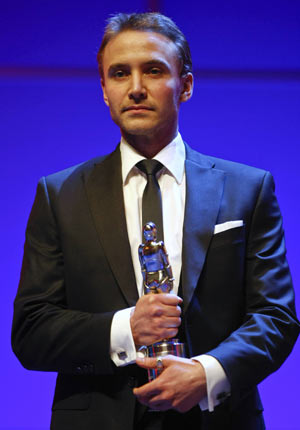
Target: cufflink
122, 355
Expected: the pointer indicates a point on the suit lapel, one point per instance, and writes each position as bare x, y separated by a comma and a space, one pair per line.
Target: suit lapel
104, 191
204, 189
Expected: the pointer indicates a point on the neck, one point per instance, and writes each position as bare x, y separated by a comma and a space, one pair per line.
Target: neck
149, 146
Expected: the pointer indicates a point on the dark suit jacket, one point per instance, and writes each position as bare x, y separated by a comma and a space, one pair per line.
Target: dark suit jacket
77, 272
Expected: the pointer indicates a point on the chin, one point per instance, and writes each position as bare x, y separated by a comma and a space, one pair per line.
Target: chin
139, 130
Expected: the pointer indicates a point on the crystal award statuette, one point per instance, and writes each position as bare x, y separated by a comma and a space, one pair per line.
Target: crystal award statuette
157, 279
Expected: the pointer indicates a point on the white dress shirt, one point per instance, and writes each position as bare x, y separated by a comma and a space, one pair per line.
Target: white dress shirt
171, 180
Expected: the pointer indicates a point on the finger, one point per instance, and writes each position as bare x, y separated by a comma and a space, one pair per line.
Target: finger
156, 405
168, 322
168, 299
166, 333
146, 362
159, 404
147, 390
152, 397
171, 311
151, 362
169, 333
162, 311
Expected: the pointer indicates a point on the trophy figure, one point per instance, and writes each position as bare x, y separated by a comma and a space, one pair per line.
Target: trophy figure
157, 279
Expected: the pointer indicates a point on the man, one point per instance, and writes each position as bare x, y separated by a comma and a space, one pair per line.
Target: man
80, 311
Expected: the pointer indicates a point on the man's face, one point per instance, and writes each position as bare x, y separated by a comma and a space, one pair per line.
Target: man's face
141, 83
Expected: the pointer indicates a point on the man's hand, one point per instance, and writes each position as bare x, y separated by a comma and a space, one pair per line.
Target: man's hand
155, 317
180, 386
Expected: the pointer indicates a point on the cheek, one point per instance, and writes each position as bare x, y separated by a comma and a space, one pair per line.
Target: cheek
170, 94
170, 100
112, 104
114, 96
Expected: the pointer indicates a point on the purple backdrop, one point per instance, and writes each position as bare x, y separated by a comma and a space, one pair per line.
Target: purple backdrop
245, 108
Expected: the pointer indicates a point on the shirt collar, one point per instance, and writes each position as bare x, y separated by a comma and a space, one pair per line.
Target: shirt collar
171, 156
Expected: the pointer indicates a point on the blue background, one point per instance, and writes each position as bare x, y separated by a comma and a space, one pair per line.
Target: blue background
245, 108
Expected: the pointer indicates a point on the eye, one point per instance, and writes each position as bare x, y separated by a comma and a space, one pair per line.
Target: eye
155, 71
119, 74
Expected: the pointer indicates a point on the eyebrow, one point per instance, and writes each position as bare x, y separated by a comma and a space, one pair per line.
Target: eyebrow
157, 63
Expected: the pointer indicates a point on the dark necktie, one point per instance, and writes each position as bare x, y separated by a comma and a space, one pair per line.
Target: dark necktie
152, 205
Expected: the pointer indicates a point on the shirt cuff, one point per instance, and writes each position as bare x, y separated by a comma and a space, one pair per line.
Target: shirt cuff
122, 347
217, 383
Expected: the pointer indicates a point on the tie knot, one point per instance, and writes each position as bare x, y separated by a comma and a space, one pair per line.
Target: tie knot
150, 167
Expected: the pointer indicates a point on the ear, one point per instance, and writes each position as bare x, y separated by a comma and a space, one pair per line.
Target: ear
187, 82
105, 98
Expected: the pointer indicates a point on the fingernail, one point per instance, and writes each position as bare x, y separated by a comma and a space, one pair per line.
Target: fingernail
140, 354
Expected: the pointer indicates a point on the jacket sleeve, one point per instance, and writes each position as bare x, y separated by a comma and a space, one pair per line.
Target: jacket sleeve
46, 334
269, 328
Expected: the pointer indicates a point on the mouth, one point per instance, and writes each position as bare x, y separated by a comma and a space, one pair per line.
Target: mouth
137, 108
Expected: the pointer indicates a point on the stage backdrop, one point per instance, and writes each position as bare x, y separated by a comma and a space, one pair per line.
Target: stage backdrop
245, 108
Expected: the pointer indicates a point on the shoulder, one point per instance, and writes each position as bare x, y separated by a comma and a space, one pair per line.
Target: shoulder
73, 173
232, 170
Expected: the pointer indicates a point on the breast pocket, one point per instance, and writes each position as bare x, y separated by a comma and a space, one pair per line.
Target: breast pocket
229, 237
222, 277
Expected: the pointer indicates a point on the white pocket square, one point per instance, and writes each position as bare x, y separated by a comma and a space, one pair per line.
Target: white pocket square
228, 225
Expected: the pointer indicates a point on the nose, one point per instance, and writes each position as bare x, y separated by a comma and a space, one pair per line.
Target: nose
137, 90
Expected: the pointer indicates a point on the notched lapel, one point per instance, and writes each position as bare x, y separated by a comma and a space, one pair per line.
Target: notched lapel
204, 190
104, 191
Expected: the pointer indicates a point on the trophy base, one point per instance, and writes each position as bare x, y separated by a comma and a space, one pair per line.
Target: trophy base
161, 349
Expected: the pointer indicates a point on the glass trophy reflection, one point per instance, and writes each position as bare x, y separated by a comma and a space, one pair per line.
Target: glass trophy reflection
157, 278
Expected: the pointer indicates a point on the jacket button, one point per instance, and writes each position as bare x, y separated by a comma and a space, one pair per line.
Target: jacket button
131, 381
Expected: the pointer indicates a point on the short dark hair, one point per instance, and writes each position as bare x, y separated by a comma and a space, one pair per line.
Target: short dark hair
150, 21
